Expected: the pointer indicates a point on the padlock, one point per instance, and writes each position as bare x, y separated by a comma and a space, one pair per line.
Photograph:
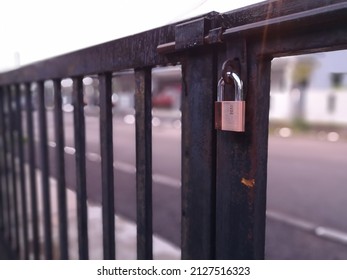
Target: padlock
230, 115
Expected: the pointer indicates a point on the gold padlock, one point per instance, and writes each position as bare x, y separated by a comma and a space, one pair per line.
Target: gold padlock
230, 115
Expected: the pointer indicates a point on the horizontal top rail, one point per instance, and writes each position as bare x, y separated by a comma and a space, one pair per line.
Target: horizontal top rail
305, 18
141, 50
129, 52
272, 9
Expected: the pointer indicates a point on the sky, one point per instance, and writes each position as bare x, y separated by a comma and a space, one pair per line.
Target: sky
32, 30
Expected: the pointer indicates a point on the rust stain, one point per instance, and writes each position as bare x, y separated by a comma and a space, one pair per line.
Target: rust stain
248, 182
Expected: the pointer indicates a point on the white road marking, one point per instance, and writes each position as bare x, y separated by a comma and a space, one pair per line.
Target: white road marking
289, 220
332, 234
166, 180
319, 231
157, 178
125, 167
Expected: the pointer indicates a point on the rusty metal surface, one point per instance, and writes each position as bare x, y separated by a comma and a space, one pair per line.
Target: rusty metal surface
271, 9
61, 182
81, 184
143, 127
297, 33
21, 173
12, 169
5, 167
241, 172
46, 190
304, 19
32, 176
198, 156
106, 148
191, 34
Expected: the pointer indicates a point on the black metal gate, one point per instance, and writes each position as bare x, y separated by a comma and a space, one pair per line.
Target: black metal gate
223, 173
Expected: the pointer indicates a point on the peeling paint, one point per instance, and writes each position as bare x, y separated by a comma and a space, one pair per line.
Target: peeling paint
248, 182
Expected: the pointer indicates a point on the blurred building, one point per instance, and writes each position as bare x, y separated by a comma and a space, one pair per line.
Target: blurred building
310, 87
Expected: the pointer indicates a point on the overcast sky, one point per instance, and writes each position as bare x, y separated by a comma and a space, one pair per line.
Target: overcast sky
32, 30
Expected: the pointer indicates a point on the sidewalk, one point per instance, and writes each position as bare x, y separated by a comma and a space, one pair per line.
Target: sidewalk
125, 230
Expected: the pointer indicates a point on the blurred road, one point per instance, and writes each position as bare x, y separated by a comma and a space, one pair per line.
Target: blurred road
307, 186
307, 199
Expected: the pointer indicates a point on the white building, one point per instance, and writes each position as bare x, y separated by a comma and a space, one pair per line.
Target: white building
323, 99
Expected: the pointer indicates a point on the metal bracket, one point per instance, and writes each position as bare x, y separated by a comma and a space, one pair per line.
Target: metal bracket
192, 34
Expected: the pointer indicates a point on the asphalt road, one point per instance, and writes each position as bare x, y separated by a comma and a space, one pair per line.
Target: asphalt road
306, 199
307, 186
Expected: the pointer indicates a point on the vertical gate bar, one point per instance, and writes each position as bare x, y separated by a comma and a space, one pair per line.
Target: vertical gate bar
20, 142
2, 192
106, 149
261, 85
4, 131
32, 173
242, 166
198, 156
143, 106
61, 191
2, 173
45, 171
2, 186
81, 188
14, 198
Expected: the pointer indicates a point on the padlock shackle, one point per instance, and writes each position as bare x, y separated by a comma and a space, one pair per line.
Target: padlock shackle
238, 86
220, 91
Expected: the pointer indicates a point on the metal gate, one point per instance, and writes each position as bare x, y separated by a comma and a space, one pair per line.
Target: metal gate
223, 173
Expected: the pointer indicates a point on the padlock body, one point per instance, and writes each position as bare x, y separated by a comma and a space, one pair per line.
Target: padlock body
218, 115
230, 115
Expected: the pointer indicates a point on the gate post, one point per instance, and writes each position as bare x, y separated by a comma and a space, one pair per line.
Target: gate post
198, 155
242, 164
